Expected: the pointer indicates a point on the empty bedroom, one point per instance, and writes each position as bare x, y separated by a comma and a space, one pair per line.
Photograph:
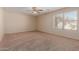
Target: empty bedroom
39, 29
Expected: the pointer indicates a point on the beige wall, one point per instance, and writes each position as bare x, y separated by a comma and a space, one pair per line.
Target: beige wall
18, 22
46, 24
1, 24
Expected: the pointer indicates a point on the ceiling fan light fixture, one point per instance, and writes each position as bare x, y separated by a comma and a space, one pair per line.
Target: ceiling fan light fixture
36, 10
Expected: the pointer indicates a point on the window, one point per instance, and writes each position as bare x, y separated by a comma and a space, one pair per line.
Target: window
59, 21
66, 21
70, 20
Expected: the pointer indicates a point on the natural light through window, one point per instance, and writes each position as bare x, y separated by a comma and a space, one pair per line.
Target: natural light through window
70, 20
59, 21
66, 20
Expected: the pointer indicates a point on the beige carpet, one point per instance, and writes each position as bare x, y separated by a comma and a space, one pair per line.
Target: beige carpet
37, 41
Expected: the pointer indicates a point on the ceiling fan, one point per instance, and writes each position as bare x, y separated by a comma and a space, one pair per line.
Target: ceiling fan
36, 10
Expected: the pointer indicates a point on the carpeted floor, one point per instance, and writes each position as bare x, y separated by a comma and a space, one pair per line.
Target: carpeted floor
37, 41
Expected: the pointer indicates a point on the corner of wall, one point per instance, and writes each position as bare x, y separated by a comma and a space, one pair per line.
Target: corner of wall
37, 23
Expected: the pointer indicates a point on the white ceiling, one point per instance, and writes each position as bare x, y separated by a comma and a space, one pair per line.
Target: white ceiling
28, 10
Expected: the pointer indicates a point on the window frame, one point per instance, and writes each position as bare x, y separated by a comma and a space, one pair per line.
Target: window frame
76, 20
63, 22
56, 21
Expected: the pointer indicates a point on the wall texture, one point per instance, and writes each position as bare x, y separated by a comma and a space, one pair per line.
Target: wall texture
1, 24
18, 22
46, 24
